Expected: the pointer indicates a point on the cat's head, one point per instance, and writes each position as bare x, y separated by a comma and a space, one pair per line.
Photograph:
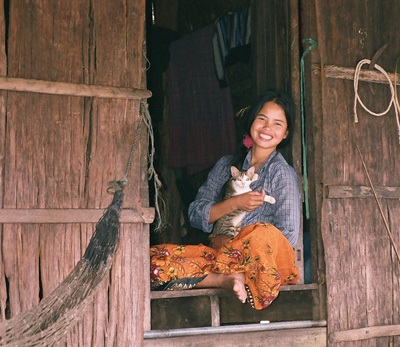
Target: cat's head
245, 177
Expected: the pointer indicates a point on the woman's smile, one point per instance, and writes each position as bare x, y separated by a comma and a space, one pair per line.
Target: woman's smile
270, 126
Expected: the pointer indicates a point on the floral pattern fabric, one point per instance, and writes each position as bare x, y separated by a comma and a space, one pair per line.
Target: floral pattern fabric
260, 251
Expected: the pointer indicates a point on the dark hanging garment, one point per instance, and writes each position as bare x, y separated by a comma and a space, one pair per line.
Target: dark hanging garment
201, 119
232, 33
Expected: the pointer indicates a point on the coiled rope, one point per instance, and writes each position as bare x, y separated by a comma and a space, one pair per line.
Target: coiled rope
393, 99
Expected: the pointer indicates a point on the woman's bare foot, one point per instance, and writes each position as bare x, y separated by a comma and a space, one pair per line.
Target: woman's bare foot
234, 282
237, 285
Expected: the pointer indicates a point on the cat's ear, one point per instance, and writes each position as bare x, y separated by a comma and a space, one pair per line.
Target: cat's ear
255, 177
250, 172
234, 171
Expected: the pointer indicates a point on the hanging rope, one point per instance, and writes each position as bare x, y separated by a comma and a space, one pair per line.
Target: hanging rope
145, 117
393, 99
313, 45
160, 222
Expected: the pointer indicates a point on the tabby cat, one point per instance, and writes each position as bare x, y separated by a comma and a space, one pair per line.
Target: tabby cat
239, 183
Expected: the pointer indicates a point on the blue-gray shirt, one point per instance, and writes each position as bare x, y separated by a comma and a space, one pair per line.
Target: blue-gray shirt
275, 176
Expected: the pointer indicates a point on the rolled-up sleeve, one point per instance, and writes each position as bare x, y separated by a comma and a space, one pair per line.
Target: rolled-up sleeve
208, 195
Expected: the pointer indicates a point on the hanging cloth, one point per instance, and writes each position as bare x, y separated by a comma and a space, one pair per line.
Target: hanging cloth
232, 30
201, 125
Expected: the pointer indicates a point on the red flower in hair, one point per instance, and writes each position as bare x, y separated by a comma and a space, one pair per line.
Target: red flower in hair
247, 141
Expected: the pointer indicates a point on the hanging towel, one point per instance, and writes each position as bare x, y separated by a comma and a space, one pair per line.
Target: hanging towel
201, 119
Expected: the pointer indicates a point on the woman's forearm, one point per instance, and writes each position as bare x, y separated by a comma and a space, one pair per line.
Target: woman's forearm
247, 202
222, 208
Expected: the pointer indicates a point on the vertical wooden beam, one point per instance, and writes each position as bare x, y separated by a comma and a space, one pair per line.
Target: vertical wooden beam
314, 123
215, 311
3, 70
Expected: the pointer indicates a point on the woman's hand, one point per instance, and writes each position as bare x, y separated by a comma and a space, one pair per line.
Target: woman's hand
245, 202
218, 241
249, 201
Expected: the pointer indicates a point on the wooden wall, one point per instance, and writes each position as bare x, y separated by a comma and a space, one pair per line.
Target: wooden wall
60, 151
362, 270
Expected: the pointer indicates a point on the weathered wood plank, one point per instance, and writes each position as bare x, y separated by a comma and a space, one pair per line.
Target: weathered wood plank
366, 75
3, 122
311, 337
215, 311
236, 328
60, 150
313, 103
218, 291
361, 270
340, 192
364, 333
73, 89
34, 216
358, 253
20, 261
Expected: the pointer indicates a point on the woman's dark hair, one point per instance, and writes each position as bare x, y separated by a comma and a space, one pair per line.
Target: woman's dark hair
282, 99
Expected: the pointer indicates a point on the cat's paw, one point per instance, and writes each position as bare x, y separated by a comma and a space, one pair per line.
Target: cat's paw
270, 199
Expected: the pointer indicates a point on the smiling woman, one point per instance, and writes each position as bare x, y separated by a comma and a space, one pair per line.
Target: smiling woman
268, 129
256, 262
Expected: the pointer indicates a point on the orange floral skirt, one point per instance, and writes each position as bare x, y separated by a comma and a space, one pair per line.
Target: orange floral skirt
260, 251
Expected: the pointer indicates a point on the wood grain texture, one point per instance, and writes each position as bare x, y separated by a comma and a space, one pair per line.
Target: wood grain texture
63, 88
3, 121
366, 75
58, 153
360, 266
365, 333
314, 337
35, 216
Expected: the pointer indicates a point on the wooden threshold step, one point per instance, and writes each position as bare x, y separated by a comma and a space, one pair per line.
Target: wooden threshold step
227, 329
169, 294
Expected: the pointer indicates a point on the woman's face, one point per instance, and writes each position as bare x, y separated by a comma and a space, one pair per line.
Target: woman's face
269, 127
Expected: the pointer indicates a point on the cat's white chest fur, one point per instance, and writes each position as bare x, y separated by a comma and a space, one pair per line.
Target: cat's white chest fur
243, 185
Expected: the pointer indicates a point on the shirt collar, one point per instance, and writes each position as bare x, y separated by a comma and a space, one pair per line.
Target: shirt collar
247, 160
